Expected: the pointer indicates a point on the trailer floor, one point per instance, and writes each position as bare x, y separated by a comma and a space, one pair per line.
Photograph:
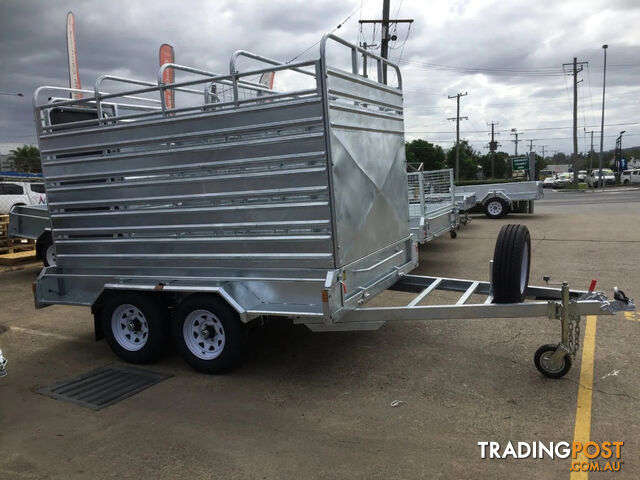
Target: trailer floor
319, 405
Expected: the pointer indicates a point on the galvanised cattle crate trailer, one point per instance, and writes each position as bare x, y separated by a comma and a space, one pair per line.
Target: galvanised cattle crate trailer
189, 220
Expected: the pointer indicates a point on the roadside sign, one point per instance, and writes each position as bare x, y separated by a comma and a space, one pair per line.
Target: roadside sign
519, 163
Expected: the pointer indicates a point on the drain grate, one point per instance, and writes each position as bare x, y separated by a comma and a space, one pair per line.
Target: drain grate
103, 387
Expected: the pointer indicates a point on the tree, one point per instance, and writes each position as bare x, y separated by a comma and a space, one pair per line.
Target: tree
422, 152
560, 159
468, 161
501, 159
26, 159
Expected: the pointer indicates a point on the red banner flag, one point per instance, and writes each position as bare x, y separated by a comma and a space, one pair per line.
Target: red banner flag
167, 55
72, 55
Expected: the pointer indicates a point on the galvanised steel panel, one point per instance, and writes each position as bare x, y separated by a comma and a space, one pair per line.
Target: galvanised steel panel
232, 201
369, 179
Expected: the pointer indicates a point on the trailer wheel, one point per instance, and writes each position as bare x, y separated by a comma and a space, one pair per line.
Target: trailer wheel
453, 233
496, 208
135, 327
49, 255
542, 360
208, 334
511, 264
45, 250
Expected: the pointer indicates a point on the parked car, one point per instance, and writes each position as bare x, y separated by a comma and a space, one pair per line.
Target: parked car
563, 180
549, 182
20, 193
607, 175
582, 175
630, 177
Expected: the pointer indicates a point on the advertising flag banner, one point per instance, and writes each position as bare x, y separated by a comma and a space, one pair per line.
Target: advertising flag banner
72, 55
167, 55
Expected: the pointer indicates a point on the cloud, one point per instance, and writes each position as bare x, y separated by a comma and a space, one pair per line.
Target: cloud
507, 55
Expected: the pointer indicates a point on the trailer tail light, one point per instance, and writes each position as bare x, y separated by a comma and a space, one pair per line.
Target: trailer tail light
592, 286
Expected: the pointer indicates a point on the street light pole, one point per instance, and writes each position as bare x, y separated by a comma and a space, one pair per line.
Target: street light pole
604, 81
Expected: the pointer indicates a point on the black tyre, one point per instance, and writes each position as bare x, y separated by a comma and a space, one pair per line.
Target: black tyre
45, 250
135, 326
453, 233
208, 333
542, 360
496, 208
511, 263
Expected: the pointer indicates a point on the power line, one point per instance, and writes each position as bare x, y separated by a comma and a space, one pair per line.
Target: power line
336, 28
538, 71
534, 129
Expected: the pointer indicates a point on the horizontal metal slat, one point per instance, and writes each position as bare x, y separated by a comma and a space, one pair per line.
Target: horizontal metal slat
176, 129
286, 212
191, 188
189, 227
161, 201
166, 162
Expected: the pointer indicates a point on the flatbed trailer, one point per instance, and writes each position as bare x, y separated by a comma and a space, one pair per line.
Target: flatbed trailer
242, 202
497, 199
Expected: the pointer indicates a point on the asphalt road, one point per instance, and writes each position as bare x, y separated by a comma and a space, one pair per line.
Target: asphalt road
307, 405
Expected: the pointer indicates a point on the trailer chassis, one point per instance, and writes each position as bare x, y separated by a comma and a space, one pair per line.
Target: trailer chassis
563, 304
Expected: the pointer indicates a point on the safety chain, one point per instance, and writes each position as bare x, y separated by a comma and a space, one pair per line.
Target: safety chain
574, 334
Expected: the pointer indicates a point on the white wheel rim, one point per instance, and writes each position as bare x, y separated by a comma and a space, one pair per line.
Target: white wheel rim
523, 269
130, 327
494, 208
204, 334
51, 255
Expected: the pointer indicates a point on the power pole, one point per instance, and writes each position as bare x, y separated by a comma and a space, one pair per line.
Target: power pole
532, 161
574, 71
493, 146
591, 149
514, 131
542, 146
457, 118
385, 37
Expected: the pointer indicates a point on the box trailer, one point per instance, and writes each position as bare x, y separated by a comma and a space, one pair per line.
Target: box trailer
242, 202
33, 222
433, 209
497, 199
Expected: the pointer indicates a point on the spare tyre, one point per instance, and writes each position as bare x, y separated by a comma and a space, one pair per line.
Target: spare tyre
511, 264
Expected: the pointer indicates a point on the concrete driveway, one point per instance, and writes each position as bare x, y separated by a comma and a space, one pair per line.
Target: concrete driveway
306, 406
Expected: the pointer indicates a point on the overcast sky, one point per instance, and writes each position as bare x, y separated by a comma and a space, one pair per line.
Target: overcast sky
507, 55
